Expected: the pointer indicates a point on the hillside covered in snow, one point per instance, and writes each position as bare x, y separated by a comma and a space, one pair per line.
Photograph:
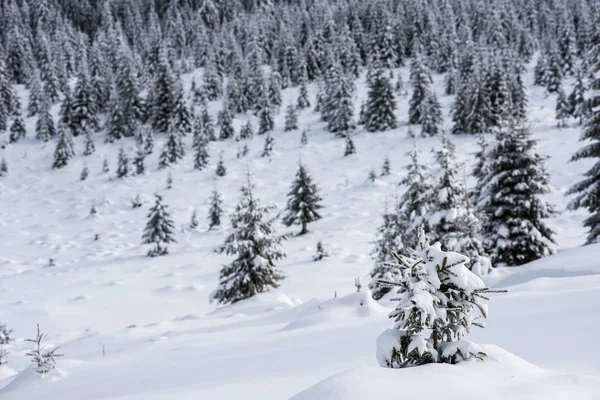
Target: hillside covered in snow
197, 197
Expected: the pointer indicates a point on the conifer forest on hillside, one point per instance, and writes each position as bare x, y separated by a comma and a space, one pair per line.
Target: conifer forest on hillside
208, 198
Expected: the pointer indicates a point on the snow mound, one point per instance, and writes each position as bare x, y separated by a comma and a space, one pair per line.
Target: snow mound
30, 377
359, 304
502, 375
258, 304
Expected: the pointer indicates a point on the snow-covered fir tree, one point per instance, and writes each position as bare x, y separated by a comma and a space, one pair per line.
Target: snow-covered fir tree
439, 301
105, 168
320, 253
221, 170
90, 147
201, 156
17, 127
215, 211
64, 150
159, 229
304, 201
194, 220
304, 138
303, 101
381, 105
41, 356
291, 118
349, 149
85, 172
256, 249
421, 83
44, 126
578, 104
247, 131
389, 240
563, 108
414, 205
513, 225
122, 164
587, 191
225, 122
268, 147
138, 161
386, 168
3, 168
173, 151
431, 115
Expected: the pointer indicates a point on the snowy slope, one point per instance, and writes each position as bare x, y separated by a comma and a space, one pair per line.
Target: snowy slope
161, 337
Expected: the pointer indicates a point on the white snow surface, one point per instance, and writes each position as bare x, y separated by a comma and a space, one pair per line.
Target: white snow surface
139, 328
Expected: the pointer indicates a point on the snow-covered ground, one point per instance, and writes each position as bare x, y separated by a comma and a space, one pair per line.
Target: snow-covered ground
133, 327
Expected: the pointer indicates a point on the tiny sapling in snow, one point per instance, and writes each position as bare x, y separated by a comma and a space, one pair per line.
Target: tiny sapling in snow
136, 202
43, 358
357, 284
321, 252
439, 301
5, 334
3, 354
194, 220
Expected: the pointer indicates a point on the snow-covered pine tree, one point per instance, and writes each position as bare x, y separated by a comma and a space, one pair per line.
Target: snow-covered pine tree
83, 106
349, 149
437, 299
563, 108
221, 170
414, 204
379, 109
291, 118
159, 229
577, 101
208, 128
386, 168
431, 115
36, 96
266, 123
421, 82
5, 333
274, 90
43, 358
149, 142
247, 131
122, 164
138, 161
303, 101
90, 147
164, 97
194, 220
3, 168
513, 227
225, 122
256, 249
64, 149
304, 201
201, 156
215, 211
539, 71
553, 73
268, 147
85, 172
17, 128
172, 152
389, 240
304, 138
44, 126
321, 253
587, 190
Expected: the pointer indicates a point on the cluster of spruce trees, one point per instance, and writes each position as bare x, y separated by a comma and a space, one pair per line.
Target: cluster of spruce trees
113, 70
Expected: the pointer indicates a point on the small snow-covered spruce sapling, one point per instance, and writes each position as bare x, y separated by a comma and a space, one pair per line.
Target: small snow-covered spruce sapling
85, 172
90, 148
64, 149
159, 229
169, 180
122, 164
215, 211
386, 169
439, 301
194, 220
321, 252
291, 119
138, 161
372, 175
105, 168
349, 149
357, 284
304, 201
93, 210
221, 170
201, 156
136, 202
3, 354
304, 138
3, 168
268, 148
256, 248
44, 359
